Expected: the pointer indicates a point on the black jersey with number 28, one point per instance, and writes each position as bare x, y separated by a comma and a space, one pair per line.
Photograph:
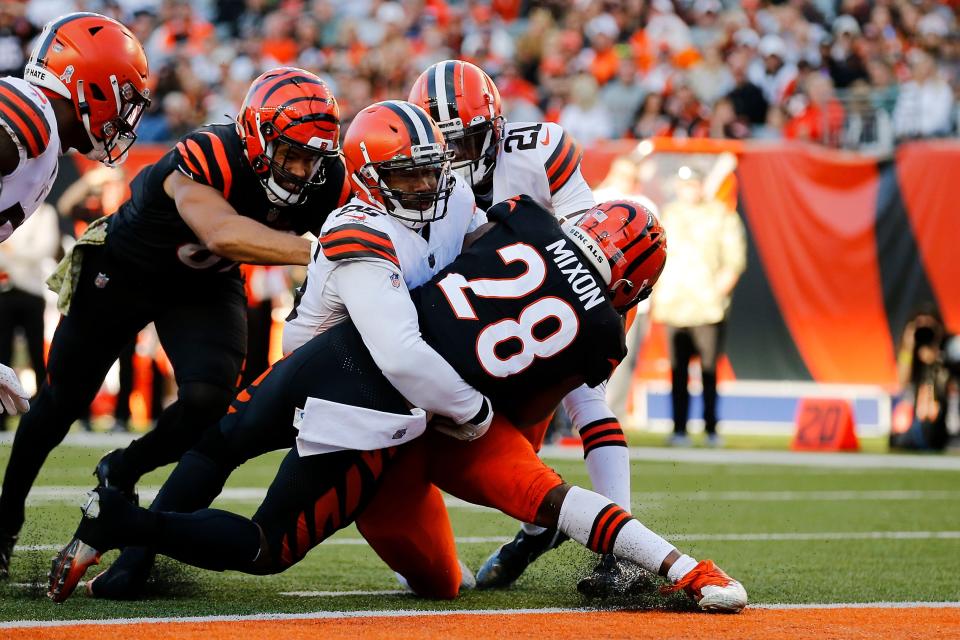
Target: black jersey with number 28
521, 311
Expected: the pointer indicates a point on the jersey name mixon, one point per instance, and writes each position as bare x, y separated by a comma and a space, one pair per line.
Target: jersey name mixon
578, 275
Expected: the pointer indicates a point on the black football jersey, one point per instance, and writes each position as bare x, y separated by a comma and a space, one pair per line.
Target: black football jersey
148, 231
521, 311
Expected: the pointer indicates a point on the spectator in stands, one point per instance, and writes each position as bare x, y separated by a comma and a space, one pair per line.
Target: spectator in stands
711, 78
707, 256
586, 118
868, 128
26, 259
651, 119
925, 105
747, 99
776, 77
622, 97
15, 34
818, 115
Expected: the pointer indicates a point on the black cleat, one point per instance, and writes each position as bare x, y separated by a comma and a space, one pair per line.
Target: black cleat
7, 543
102, 515
615, 577
510, 561
107, 476
126, 577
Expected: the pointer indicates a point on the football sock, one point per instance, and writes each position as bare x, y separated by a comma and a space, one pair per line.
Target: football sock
680, 568
531, 529
603, 527
607, 459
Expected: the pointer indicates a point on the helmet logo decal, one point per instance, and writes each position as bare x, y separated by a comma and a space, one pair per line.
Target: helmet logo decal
67, 74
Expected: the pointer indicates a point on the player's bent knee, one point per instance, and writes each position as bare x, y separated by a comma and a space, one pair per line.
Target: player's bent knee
548, 515
205, 398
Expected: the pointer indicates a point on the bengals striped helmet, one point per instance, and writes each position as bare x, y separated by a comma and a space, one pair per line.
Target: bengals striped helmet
398, 159
99, 65
465, 104
290, 127
627, 245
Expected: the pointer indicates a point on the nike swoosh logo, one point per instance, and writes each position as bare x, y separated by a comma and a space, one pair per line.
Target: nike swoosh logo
546, 140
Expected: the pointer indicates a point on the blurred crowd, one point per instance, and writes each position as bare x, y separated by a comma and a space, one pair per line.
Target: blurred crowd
846, 73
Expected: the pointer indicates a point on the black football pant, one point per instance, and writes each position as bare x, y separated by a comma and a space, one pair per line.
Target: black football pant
202, 326
684, 343
310, 498
24, 311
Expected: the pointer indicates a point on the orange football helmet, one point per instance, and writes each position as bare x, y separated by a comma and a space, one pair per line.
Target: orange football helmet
399, 160
627, 245
99, 65
290, 126
465, 104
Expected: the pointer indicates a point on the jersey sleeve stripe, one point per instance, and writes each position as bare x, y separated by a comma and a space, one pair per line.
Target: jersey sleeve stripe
558, 153
220, 154
16, 113
198, 155
378, 238
561, 173
358, 250
33, 112
185, 156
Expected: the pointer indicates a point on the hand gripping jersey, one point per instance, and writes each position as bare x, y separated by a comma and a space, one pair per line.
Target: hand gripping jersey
360, 231
149, 232
27, 117
521, 310
542, 161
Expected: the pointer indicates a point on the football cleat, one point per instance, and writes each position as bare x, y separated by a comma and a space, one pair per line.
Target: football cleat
92, 538
107, 476
510, 561
7, 543
712, 589
615, 577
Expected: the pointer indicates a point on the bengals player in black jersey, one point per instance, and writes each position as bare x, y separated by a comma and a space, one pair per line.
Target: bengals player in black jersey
230, 193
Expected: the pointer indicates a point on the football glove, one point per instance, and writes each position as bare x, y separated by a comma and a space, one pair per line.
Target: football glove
470, 430
13, 399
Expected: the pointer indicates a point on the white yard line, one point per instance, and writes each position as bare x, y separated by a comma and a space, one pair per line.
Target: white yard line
47, 494
721, 537
411, 613
340, 594
107, 441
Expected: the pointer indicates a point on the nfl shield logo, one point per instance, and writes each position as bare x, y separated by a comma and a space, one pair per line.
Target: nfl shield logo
101, 280
395, 280
399, 434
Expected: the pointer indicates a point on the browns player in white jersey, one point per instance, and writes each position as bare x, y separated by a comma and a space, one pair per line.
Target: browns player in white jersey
84, 88
541, 160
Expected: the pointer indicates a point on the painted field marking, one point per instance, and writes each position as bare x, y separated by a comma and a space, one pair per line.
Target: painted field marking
340, 594
414, 613
48, 494
730, 537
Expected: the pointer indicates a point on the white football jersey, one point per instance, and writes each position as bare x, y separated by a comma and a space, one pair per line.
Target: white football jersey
27, 117
542, 161
359, 231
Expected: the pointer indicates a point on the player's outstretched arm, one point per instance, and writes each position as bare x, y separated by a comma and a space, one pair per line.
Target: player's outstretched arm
227, 233
387, 321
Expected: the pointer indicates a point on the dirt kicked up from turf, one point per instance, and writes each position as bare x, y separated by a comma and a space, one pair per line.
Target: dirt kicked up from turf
772, 624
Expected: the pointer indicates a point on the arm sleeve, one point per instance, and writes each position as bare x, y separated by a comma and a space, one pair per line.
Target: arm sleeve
387, 320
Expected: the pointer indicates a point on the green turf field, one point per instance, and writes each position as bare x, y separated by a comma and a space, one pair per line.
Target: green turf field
722, 511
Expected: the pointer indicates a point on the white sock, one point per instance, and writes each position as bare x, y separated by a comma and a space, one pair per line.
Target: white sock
595, 522
680, 568
609, 469
531, 529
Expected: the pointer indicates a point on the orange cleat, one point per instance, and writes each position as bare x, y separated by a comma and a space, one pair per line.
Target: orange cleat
712, 589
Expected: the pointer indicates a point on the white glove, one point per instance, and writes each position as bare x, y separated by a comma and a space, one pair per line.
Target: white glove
13, 398
468, 431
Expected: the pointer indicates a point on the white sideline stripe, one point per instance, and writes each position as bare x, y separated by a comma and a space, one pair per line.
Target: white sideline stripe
414, 613
338, 594
729, 537
46, 494
654, 454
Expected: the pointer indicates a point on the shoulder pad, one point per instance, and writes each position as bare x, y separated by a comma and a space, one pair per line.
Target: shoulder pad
358, 240
202, 156
564, 157
23, 117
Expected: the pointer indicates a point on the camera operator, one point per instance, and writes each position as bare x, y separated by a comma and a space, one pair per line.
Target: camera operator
924, 378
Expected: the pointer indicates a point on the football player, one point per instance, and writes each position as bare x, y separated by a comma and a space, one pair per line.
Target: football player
226, 193
502, 159
529, 311
407, 221
85, 88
